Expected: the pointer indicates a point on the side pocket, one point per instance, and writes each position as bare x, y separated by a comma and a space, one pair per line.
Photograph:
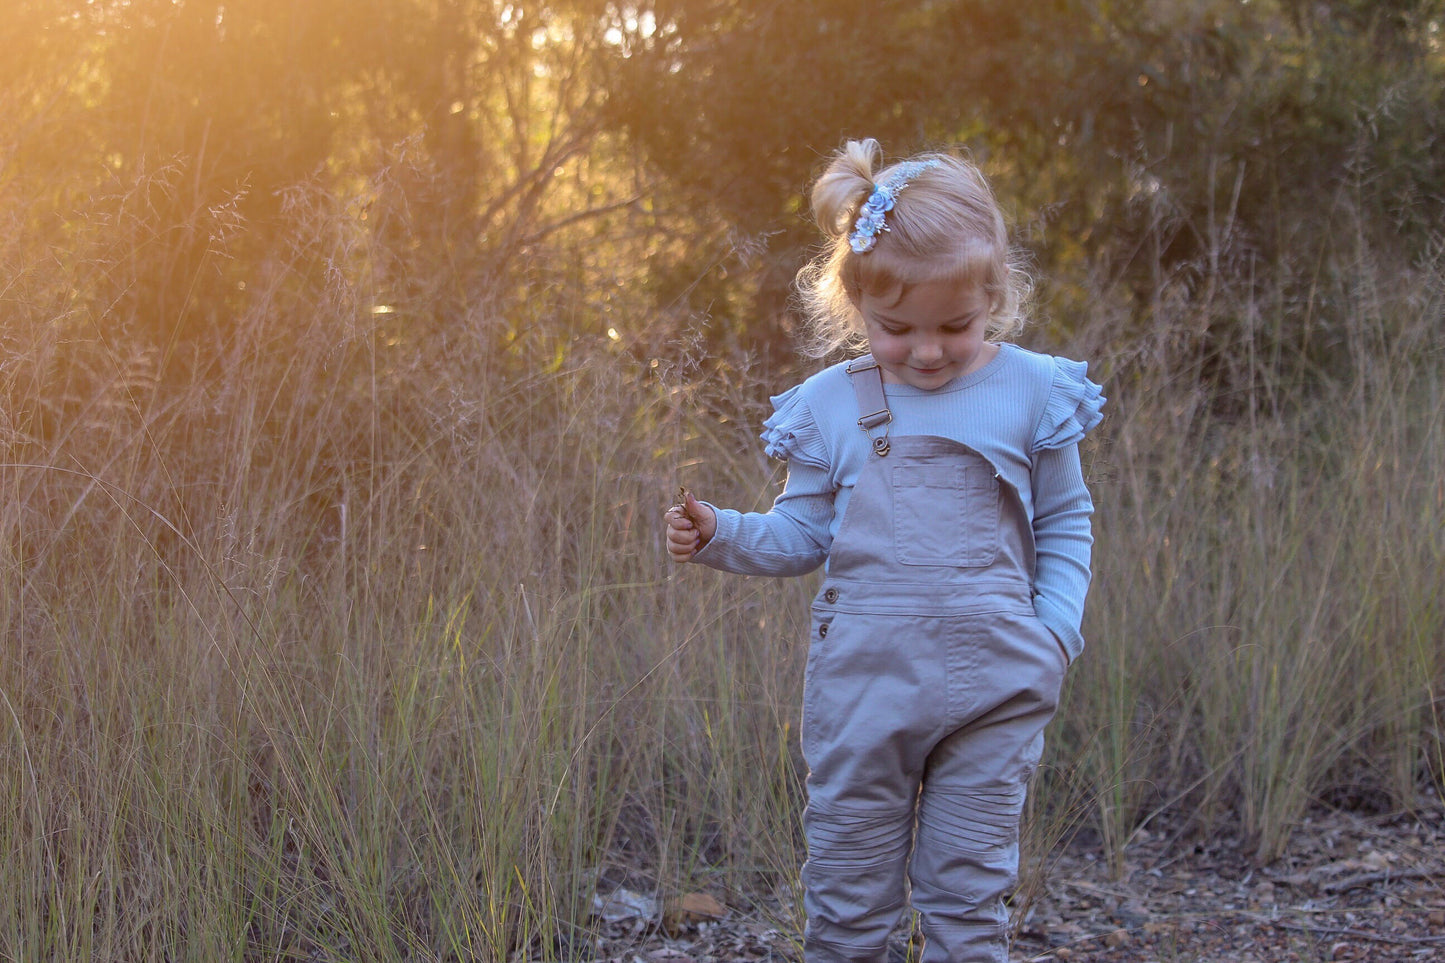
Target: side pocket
817, 650
1048, 652
1063, 652
1054, 644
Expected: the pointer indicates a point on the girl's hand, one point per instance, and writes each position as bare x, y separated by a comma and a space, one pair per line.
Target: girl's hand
690, 526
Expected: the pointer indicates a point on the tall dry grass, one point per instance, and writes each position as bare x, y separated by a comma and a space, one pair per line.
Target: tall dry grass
1265, 631
325, 640
329, 642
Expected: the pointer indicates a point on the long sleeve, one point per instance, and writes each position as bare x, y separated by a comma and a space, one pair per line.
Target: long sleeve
791, 538
1063, 542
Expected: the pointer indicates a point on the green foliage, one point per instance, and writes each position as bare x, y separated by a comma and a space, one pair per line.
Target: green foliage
1172, 149
661, 151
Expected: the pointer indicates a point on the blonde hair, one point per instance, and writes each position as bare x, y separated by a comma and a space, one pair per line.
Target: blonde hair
945, 225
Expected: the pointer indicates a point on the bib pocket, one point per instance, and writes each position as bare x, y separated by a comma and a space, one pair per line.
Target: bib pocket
945, 514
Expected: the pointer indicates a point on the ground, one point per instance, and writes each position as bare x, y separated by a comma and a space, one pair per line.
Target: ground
1349, 887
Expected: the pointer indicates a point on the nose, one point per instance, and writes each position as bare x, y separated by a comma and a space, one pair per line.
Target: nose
929, 350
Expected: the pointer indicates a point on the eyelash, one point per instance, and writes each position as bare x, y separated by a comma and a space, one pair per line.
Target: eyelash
947, 329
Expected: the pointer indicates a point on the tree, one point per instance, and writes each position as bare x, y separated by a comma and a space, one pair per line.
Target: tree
1169, 147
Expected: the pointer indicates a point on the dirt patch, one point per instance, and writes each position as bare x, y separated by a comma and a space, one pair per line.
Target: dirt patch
1349, 888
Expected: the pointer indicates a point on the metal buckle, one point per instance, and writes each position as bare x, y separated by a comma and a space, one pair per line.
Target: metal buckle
869, 422
880, 418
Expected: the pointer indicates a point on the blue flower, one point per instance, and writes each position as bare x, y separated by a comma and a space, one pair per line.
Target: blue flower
879, 202
870, 222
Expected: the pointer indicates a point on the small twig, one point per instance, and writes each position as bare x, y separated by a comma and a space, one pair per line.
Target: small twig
1095, 890
1366, 879
1352, 933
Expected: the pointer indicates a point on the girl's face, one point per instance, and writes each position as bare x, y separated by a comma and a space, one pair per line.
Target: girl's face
931, 335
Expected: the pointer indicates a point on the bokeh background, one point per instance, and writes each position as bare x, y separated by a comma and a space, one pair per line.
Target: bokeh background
350, 351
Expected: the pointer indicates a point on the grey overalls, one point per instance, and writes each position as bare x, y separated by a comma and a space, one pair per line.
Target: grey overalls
928, 685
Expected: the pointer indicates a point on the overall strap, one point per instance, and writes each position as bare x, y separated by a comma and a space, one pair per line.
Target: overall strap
867, 378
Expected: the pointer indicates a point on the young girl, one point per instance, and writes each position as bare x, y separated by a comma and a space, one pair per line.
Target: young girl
938, 477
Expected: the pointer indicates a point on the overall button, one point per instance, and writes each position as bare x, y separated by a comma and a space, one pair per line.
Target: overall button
823, 631
830, 596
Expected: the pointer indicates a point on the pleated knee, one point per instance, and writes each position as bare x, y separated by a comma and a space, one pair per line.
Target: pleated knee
964, 864
854, 880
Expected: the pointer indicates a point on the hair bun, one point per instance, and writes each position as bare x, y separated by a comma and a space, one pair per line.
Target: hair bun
845, 185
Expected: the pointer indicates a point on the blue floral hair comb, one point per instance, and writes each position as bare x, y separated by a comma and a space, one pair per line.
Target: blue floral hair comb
870, 221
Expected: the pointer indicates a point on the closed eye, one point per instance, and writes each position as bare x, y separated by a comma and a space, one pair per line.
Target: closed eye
958, 327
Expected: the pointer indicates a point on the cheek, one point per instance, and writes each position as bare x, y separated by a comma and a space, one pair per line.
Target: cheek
882, 346
885, 348
966, 344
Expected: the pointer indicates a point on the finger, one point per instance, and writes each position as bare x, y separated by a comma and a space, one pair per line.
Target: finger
704, 519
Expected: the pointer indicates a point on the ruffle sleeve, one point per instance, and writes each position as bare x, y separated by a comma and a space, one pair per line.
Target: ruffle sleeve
1074, 407
791, 433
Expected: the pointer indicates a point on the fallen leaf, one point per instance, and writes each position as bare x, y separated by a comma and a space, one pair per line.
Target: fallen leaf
691, 909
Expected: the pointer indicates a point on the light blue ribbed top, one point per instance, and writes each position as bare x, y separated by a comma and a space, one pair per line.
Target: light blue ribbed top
1026, 412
